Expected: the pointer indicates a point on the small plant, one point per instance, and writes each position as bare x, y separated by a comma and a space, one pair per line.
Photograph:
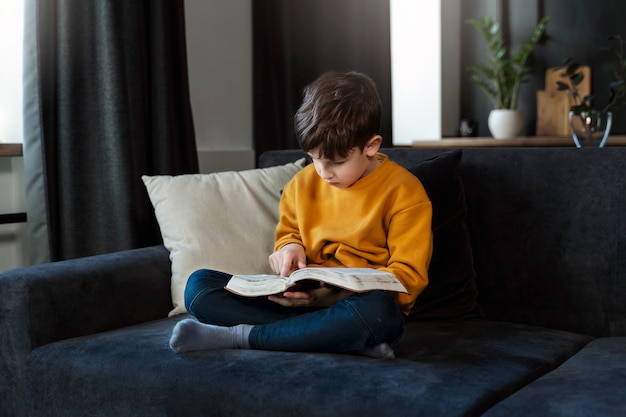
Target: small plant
574, 77
503, 74
617, 87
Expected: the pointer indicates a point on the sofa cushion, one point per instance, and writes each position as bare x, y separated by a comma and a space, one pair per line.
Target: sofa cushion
224, 221
451, 368
591, 383
548, 229
451, 290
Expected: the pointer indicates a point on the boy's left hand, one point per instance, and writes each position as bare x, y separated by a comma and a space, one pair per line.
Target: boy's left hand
324, 296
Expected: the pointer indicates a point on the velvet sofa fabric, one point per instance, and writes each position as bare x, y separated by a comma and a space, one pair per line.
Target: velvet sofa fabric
592, 383
44, 303
451, 290
450, 368
549, 236
547, 229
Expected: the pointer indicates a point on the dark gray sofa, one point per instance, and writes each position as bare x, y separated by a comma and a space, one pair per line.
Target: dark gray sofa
524, 314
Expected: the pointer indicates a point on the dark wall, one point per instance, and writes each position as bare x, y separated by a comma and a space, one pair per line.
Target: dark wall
577, 29
296, 41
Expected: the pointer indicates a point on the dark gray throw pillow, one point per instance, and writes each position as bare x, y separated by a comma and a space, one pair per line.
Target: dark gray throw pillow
451, 291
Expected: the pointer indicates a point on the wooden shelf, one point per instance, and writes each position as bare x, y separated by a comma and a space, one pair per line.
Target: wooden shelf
531, 141
11, 149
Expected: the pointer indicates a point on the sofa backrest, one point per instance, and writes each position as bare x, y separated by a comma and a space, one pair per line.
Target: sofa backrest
548, 232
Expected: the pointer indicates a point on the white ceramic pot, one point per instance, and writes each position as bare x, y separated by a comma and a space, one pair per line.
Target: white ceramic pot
505, 124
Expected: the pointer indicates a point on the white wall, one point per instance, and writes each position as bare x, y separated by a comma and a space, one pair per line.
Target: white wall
13, 237
415, 70
11, 75
219, 53
425, 70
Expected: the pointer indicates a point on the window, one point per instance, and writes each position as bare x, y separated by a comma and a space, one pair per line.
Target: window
11, 35
425, 69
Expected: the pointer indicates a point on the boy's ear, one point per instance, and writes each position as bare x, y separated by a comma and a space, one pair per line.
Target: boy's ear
373, 145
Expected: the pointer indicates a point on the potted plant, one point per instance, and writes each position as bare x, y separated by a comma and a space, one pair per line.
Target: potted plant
501, 77
591, 125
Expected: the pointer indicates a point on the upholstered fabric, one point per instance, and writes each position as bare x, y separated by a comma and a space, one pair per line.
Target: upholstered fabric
224, 221
592, 383
41, 304
548, 231
451, 290
451, 368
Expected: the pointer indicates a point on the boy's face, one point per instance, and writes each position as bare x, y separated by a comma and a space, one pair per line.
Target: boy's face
342, 172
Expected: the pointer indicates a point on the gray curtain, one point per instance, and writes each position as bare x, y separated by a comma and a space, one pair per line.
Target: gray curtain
106, 100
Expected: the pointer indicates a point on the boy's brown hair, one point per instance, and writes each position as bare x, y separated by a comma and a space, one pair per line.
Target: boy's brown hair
339, 111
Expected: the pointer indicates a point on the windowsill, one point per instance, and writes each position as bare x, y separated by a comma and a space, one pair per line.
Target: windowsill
11, 149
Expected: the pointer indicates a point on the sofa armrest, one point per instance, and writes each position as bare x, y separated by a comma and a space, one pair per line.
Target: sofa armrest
77, 297
41, 304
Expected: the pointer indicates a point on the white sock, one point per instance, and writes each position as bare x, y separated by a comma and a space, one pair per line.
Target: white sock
379, 351
190, 335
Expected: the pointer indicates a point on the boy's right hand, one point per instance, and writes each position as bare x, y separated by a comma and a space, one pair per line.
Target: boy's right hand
287, 259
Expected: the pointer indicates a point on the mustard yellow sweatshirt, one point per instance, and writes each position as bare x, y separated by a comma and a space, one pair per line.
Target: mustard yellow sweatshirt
382, 221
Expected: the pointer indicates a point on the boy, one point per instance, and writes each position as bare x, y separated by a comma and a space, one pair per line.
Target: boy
352, 207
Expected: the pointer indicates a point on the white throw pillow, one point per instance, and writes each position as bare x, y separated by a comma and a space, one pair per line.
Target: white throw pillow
224, 221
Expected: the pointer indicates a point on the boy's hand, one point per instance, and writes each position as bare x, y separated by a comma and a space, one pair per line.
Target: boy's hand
287, 259
324, 296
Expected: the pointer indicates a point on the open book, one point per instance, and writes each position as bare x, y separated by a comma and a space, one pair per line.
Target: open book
353, 279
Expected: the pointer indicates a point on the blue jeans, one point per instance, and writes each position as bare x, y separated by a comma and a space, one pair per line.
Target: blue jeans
359, 321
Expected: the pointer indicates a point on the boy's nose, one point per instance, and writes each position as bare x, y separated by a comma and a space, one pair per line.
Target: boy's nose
326, 174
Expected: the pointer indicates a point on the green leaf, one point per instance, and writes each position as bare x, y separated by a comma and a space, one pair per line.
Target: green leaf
572, 68
576, 79
502, 76
561, 86
588, 99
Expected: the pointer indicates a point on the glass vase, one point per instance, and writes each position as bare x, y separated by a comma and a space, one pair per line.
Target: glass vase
590, 128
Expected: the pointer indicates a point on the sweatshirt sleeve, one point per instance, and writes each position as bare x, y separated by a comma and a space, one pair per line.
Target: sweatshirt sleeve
287, 230
410, 241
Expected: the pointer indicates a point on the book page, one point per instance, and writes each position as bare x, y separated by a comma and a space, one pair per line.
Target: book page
257, 285
353, 279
